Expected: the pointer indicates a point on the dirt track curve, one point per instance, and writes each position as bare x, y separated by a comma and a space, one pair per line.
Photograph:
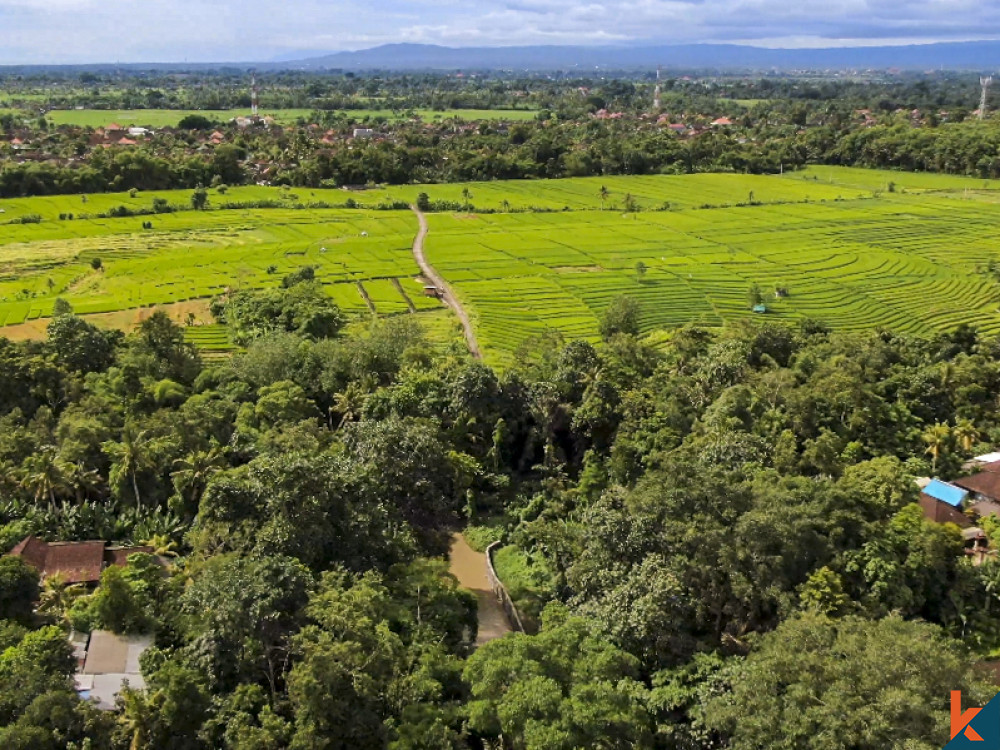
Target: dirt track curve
437, 280
469, 567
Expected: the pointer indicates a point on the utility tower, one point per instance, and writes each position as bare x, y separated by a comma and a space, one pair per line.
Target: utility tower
656, 91
253, 98
985, 82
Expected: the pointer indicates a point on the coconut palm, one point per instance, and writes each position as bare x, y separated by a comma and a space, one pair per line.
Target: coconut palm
193, 472
938, 439
349, 403
965, 434
466, 196
57, 597
44, 474
603, 193
129, 457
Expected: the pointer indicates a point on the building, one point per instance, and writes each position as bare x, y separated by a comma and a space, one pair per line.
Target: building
942, 502
363, 132
984, 488
73, 562
111, 662
722, 122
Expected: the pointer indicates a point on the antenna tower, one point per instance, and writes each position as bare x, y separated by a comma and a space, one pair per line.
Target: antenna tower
985, 82
253, 97
656, 91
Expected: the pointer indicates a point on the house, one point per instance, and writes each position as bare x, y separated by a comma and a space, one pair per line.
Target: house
984, 487
74, 562
942, 503
363, 132
111, 662
722, 122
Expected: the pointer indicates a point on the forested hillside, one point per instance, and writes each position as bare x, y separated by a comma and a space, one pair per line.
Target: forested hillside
714, 542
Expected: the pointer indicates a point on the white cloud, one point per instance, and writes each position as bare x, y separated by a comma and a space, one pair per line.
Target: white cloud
219, 30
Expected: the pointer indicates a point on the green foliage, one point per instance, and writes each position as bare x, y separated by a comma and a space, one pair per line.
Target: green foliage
302, 307
845, 683
564, 688
18, 589
621, 316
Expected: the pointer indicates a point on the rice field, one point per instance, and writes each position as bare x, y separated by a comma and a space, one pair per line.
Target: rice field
848, 250
914, 264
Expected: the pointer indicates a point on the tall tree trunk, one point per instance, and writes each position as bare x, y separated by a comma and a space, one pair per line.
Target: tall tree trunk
135, 489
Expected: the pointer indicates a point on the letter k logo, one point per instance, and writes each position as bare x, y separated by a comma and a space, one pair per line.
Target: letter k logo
960, 721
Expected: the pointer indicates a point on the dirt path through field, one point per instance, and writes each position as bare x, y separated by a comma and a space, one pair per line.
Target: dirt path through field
448, 297
469, 567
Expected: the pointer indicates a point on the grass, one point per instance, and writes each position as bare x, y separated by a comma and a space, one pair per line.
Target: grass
849, 252
159, 118
528, 581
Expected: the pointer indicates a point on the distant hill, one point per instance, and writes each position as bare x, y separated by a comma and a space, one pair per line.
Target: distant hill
950, 55
980, 56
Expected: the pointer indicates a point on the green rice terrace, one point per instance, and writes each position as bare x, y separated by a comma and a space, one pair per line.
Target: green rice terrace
852, 248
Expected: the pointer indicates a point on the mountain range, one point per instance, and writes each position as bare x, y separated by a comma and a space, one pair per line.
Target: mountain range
983, 56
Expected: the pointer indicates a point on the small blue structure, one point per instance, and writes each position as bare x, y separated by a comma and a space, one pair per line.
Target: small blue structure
760, 307
946, 493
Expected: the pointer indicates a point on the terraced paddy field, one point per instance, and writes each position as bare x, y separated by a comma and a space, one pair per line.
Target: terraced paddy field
848, 251
910, 263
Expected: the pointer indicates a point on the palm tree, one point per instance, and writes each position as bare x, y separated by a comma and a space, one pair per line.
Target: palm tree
162, 544
194, 471
603, 193
938, 438
128, 458
466, 195
349, 403
505, 205
83, 481
57, 596
966, 434
44, 474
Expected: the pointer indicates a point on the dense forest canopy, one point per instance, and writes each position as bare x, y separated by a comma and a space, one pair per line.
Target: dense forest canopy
678, 516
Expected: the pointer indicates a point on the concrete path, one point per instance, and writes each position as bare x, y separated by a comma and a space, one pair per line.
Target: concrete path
448, 297
469, 567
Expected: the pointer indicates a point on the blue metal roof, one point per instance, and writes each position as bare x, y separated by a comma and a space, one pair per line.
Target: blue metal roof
946, 493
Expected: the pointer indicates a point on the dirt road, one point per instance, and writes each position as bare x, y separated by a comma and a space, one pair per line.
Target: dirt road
469, 567
447, 296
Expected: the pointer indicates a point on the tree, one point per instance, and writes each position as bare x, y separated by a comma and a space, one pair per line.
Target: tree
241, 613
567, 688
129, 457
80, 346
466, 197
18, 589
44, 474
423, 202
40, 662
754, 295
621, 316
61, 307
938, 438
199, 199
640, 271
965, 434
848, 683
96, 264
603, 194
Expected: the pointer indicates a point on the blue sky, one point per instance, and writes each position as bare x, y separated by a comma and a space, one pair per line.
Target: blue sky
59, 31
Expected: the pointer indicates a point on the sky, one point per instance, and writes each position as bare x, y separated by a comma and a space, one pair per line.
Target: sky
80, 31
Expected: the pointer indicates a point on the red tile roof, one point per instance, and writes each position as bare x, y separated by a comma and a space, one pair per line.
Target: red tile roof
74, 562
985, 483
